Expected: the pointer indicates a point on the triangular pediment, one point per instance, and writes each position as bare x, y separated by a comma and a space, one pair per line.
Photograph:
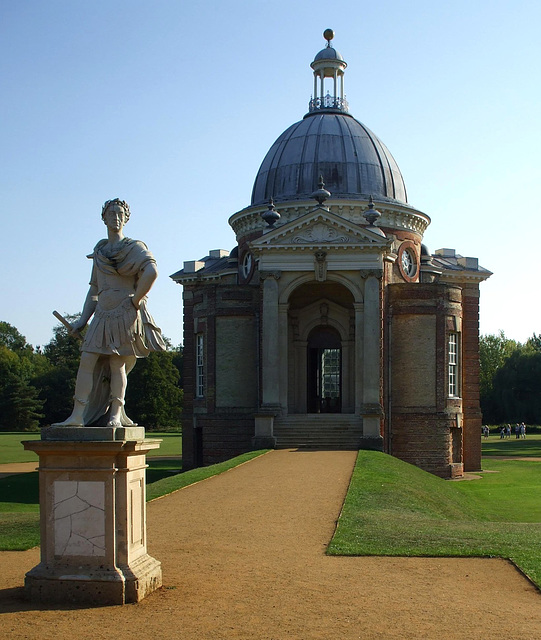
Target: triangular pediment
320, 228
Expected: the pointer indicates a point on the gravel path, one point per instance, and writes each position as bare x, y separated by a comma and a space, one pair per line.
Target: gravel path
243, 558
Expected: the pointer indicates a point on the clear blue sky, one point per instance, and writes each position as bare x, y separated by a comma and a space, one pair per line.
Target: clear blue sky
172, 105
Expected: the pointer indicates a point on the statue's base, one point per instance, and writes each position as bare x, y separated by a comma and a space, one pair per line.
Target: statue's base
93, 520
117, 585
92, 434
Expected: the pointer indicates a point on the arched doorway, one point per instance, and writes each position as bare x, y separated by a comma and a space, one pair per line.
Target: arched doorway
324, 374
321, 349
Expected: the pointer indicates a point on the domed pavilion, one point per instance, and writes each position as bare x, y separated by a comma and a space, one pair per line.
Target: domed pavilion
330, 324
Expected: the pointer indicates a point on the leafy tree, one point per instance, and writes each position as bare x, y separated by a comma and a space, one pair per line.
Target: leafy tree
11, 338
494, 350
153, 397
64, 350
510, 381
178, 361
517, 387
534, 343
21, 410
10, 372
20, 406
58, 383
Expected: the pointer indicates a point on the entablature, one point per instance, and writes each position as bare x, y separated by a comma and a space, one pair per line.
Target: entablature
393, 216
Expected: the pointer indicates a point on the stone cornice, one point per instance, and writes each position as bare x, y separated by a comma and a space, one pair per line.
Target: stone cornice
458, 277
393, 216
197, 277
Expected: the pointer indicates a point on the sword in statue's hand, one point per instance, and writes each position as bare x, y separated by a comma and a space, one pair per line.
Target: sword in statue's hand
68, 326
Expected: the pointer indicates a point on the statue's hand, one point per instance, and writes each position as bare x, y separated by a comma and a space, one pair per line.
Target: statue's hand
77, 326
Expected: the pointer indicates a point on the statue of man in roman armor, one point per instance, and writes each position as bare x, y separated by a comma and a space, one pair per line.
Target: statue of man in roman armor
121, 329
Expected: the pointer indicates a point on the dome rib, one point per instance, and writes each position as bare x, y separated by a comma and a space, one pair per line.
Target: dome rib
353, 161
315, 166
381, 162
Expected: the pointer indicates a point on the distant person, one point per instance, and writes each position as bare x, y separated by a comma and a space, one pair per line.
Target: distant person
523, 430
517, 431
508, 431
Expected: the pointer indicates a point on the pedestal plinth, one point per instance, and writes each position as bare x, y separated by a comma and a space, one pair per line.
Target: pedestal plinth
92, 518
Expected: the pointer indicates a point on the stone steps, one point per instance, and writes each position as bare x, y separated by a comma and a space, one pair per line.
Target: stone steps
334, 431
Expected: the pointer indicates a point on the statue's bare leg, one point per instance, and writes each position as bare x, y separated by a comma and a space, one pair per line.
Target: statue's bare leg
83, 389
120, 367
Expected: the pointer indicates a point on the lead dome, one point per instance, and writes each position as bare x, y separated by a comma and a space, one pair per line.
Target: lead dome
330, 142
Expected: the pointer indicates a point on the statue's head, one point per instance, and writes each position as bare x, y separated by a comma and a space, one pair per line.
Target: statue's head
119, 203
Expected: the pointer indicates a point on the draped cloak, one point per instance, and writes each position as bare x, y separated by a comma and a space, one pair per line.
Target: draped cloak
116, 326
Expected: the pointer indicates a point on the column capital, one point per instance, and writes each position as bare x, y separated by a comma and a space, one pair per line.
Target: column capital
376, 273
270, 274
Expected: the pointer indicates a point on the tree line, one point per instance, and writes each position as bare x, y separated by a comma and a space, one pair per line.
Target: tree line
510, 380
37, 383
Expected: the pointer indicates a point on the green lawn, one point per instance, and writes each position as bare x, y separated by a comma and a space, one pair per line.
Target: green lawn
529, 446
395, 509
11, 449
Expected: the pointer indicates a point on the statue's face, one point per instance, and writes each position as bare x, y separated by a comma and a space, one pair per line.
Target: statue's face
115, 217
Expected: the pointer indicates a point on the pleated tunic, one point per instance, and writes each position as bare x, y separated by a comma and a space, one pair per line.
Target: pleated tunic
116, 326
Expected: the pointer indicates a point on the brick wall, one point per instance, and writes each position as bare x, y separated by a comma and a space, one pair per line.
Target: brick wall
212, 433
422, 421
470, 378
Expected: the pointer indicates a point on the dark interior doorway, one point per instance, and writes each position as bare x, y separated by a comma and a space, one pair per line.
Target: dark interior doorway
324, 371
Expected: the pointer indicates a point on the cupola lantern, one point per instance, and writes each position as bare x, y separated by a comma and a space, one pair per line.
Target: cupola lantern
328, 63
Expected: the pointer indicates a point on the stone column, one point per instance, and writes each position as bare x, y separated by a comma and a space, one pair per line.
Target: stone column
270, 363
371, 408
301, 404
359, 355
345, 377
283, 359
93, 517
271, 341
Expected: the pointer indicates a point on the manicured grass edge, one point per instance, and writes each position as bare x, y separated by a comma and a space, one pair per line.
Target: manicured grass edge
391, 518
166, 486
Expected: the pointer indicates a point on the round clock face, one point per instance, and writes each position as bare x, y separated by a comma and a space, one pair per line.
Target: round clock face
247, 264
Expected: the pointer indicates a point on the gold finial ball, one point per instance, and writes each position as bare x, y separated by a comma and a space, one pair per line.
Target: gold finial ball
328, 34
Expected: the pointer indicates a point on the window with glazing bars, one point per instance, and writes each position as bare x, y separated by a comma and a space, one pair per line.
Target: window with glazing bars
453, 364
330, 373
200, 366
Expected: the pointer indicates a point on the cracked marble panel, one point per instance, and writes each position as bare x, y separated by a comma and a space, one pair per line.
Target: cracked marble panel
79, 518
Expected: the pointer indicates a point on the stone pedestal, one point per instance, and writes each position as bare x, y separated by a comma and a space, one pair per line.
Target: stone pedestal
264, 437
92, 517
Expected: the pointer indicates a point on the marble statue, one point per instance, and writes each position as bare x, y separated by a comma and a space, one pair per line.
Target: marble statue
121, 329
